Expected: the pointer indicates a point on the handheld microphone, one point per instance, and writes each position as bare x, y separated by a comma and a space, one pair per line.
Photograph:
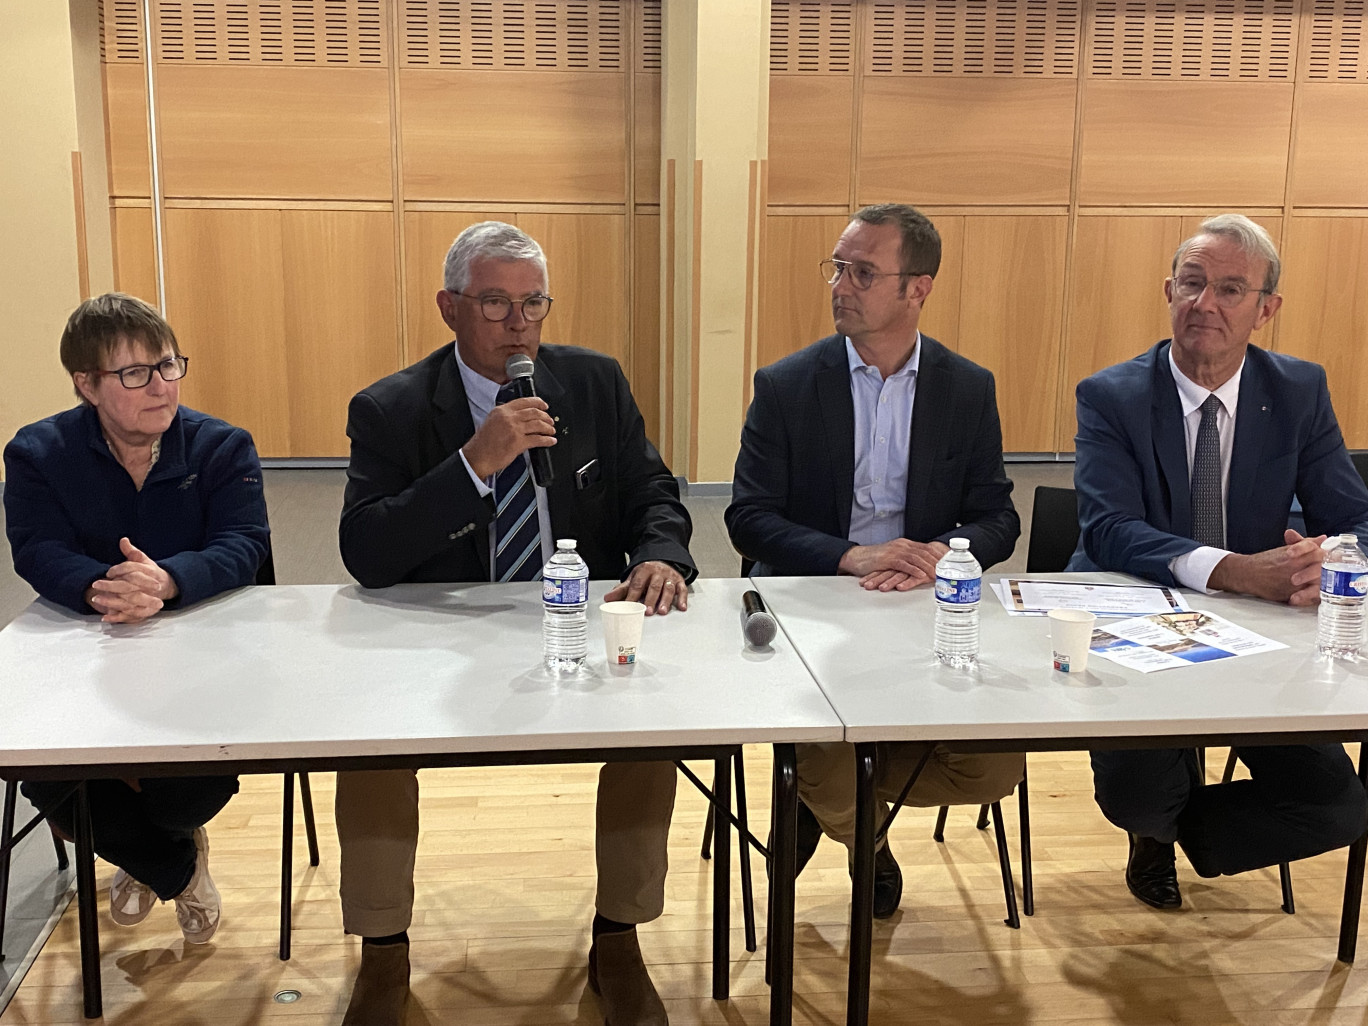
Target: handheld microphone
756, 622
519, 369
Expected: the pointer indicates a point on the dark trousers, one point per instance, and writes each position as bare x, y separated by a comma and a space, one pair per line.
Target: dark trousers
1300, 800
149, 833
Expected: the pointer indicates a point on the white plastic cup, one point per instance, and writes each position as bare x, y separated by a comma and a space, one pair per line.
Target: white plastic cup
622, 623
1070, 635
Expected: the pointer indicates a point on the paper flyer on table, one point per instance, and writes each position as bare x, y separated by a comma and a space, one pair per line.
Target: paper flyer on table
1036, 598
1164, 640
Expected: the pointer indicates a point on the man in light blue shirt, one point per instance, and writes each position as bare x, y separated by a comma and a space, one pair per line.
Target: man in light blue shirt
862, 455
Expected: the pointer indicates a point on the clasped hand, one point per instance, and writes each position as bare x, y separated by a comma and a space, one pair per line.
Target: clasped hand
508, 432
1290, 573
897, 565
133, 590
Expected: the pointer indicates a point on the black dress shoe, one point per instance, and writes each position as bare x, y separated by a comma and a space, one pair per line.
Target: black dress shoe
1151, 874
887, 883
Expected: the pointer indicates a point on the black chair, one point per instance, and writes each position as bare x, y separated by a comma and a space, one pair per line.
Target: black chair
1360, 461
266, 575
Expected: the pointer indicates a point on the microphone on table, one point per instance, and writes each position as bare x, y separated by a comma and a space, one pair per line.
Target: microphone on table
757, 623
519, 369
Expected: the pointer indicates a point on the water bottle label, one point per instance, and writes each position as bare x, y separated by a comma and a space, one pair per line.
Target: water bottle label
571, 592
957, 593
1348, 583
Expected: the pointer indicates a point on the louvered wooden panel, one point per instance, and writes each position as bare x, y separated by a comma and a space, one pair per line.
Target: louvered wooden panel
321, 33
812, 37
1169, 39
649, 37
121, 30
973, 37
510, 35
1338, 51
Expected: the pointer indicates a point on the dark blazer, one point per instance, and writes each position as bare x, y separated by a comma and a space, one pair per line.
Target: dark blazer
411, 512
795, 474
200, 514
1134, 502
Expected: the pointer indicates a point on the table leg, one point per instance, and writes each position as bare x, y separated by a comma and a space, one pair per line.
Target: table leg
86, 904
286, 867
783, 859
1353, 881
722, 789
862, 892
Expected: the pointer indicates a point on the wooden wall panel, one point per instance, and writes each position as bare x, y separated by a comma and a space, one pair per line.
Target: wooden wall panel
225, 286
586, 255
797, 303
275, 132
941, 313
645, 374
135, 259
646, 138
1331, 146
1153, 142
514, 136
126, 149
1325, 310
341, 331
1010, 319
809, 139
427, 237
930, 140
1116, 299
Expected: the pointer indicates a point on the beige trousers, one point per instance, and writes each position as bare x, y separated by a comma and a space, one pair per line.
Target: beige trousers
377, 825
826, 781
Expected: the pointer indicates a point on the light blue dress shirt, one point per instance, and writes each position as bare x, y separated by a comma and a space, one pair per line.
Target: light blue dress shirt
883, 440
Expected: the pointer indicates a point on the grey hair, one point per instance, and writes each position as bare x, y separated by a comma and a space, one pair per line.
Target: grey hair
495, 240
1253, 240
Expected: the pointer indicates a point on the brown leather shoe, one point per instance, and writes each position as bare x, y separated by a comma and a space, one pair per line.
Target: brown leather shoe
618, 976
381, 989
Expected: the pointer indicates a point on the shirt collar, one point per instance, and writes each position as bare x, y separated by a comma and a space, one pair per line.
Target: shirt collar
908, 370
480, 392
1191, 395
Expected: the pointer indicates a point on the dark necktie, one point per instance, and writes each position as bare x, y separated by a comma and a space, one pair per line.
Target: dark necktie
1208, 520
517, 528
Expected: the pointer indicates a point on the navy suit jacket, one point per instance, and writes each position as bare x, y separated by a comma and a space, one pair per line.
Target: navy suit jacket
412, 513
1134, 501
795, 474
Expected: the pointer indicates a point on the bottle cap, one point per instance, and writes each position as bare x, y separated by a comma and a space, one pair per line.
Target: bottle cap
565, 544
959, 544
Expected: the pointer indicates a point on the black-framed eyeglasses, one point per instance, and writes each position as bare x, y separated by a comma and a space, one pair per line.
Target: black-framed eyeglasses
862, 276
500, 308
138, 375
1229, 293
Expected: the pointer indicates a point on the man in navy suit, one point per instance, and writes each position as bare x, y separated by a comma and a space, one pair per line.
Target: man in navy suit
1188, 460
863, 454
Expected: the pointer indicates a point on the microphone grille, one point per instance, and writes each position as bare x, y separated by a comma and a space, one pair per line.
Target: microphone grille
761, 629
519, 366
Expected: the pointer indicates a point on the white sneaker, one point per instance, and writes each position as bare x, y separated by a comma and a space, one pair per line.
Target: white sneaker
130, 900
198, 907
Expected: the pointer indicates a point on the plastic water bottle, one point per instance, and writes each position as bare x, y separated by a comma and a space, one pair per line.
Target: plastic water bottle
1344, 579
565, 595
958, 581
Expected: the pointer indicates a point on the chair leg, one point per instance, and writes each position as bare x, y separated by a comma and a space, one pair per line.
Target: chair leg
706, 852
286, 867
1004, 862
1229, 768
6, 839
1285, 878
982, 823
743, 838
1027, 874
310, 831
938, 834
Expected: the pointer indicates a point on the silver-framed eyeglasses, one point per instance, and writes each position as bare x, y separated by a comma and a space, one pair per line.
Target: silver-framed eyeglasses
138, 375
499, 308
861, 275
1228, 292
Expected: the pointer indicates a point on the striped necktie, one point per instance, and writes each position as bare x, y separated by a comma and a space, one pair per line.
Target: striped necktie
1208, 519
517, 528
